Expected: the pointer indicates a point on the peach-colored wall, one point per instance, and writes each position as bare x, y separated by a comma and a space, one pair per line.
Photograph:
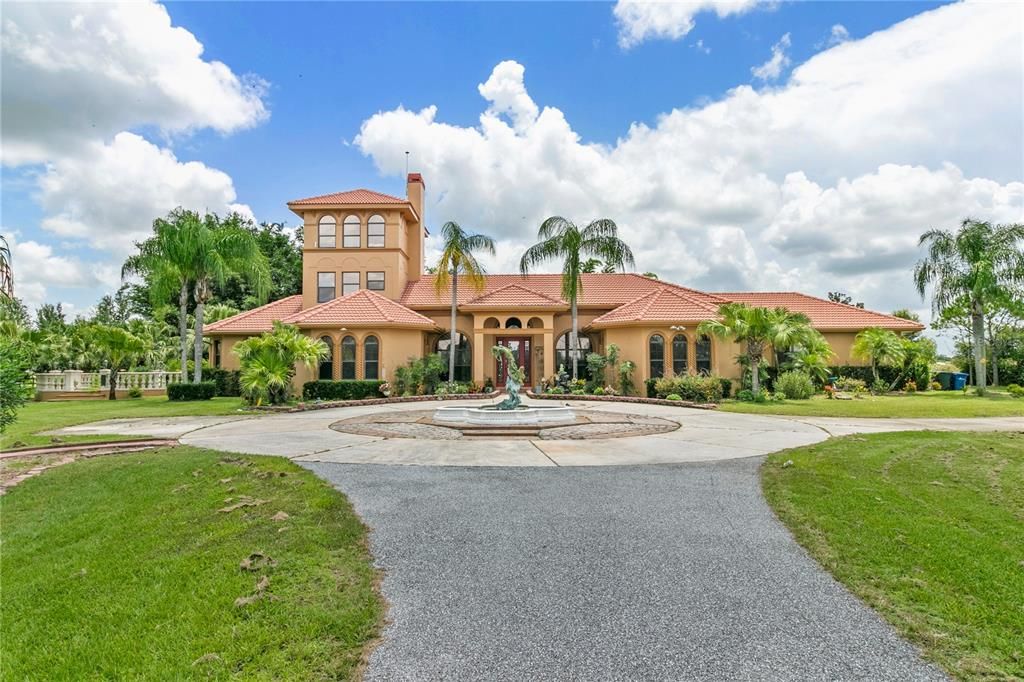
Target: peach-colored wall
393, 258
842, 345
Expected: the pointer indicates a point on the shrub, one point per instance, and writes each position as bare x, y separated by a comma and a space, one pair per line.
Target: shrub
673, 397
598, 391
935, 386
726, 386
227, 380
626, 377
795, 385
880, 387
15, 379
204, 390
452, 388
910, 386
748, 396
887, 374
649, 388
556, 390
346, 389
699, 389
134, 393
851, 385
1016, 390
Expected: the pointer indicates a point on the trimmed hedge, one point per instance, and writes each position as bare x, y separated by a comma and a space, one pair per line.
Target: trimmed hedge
227, 381
698, 389
204, 390
346, 389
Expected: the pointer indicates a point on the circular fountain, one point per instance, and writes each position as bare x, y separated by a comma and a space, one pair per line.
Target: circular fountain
493, 415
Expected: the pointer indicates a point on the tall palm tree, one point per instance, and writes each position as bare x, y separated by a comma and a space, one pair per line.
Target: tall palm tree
161, 261
220, 249
757, 330
880, 347
457, 256
561, 238
980, 261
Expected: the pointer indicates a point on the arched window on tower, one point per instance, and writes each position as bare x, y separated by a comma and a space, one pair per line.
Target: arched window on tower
326, 232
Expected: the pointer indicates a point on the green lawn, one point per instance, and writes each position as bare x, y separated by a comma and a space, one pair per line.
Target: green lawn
927, 528
122, 567
44, 416
926, 404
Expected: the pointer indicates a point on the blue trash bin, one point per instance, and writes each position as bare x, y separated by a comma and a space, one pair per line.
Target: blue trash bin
959, 381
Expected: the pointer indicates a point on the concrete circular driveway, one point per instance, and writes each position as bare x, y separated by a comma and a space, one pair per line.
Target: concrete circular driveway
704, 435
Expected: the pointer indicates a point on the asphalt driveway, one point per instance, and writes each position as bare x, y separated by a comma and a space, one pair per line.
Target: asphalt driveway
652, 572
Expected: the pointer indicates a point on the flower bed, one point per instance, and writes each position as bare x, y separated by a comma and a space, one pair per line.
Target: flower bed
328, 404
621, 399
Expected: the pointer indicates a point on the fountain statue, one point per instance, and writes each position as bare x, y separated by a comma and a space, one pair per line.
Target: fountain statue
516, 378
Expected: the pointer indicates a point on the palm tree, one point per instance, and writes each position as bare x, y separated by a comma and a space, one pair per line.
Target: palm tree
220, 249
880, 346
982, 262
758, 329
561, 238
161, 261
268, 361
119, 347
457, 255
813, 357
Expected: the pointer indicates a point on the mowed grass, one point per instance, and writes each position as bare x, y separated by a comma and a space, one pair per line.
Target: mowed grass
122, 567
45, 416
927, 528
924, 404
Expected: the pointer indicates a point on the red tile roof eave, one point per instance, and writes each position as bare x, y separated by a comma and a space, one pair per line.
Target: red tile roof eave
217, 327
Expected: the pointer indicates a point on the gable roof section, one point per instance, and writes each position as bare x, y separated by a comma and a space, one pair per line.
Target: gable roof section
514, 295
824, 314
361, 308
353, 196
600, 290
666, 304
259, 319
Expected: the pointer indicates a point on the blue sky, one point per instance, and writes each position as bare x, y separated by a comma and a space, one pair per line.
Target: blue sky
739, 145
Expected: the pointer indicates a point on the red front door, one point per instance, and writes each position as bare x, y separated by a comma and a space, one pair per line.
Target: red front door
520, 347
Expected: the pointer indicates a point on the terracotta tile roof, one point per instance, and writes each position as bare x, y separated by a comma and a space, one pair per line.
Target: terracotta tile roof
666, 304
354, 196
824, 314
600, 290
514, 295
360, 308
258, 319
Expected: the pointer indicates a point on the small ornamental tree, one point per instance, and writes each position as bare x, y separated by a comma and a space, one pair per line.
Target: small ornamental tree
268, 362
880, 347
118, 347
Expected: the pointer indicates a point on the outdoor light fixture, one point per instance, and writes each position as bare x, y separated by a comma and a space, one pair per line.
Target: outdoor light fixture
678, 328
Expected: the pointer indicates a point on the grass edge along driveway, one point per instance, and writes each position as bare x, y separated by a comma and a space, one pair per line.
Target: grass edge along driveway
926, 528
129, 566
939, 404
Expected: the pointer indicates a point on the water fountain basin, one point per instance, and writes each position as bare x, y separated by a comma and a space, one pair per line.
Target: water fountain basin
490, 416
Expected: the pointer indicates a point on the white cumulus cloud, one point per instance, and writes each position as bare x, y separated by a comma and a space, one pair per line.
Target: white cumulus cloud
824, 182
76, 72
641, 20
779, 60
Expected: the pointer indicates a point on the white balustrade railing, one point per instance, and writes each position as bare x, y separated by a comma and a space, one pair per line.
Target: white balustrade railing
71, 380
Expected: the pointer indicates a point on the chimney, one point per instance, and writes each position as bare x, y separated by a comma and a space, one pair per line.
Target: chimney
414, 190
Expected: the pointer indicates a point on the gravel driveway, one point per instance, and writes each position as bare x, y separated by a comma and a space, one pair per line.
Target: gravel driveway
598, 573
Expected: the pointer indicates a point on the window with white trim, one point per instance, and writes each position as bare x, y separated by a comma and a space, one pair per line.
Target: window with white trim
350, 234
325, 286
349, 283
375, 232
326, 232
375, 281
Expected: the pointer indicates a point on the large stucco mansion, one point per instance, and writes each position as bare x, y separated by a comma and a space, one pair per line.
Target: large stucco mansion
366, 293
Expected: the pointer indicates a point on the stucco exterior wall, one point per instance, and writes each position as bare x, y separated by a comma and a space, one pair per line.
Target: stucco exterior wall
842, 345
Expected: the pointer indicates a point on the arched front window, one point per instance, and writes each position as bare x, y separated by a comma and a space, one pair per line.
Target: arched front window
375, 232
371, 358
326, 232
656, 351
327, 363
463, 357
680, 354
513, 323
350, 235
564, 354
348, 358
703, 354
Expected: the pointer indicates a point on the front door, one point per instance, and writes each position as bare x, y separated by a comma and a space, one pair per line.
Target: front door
520, 347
